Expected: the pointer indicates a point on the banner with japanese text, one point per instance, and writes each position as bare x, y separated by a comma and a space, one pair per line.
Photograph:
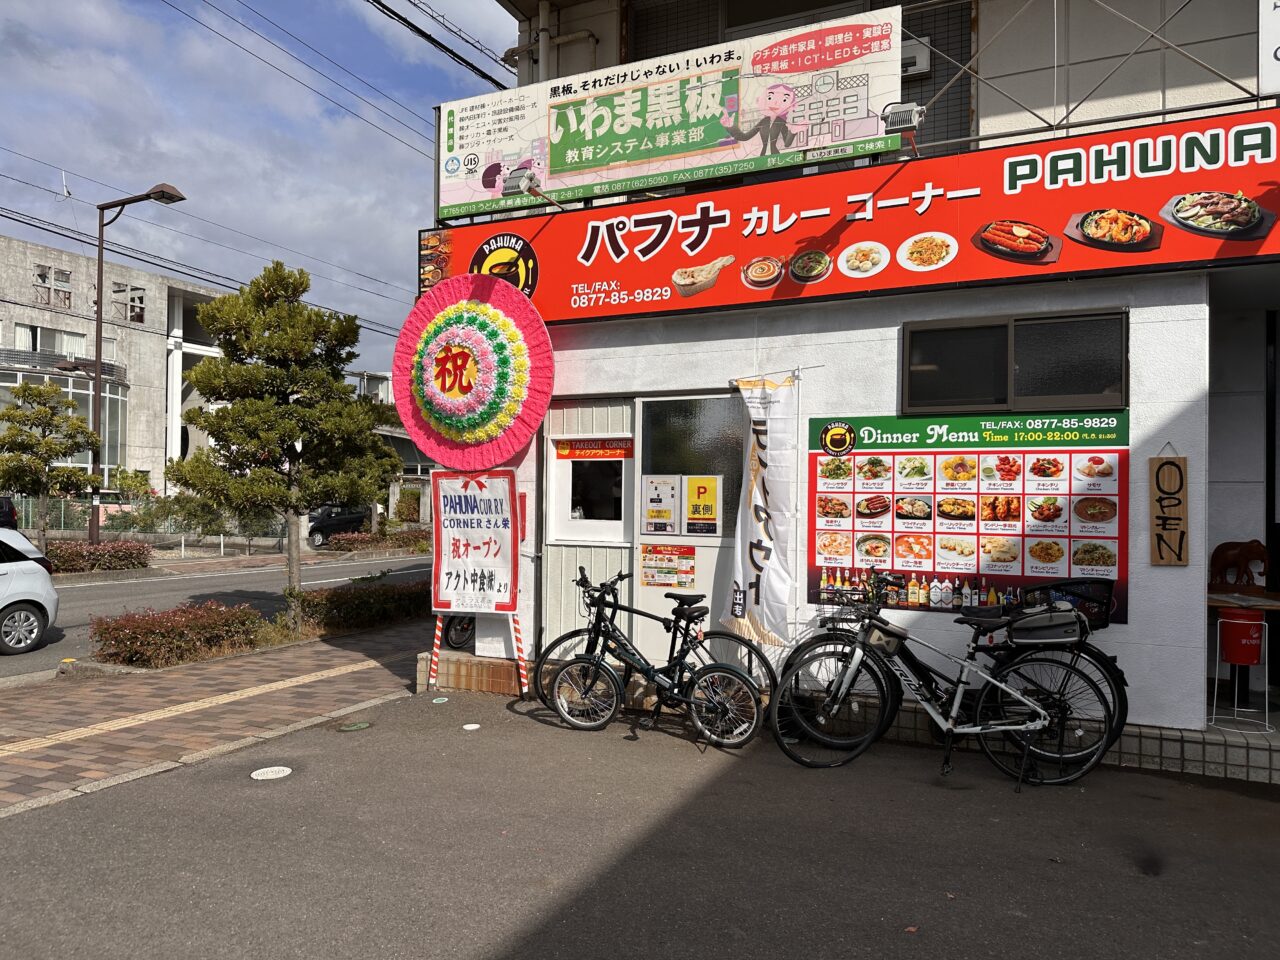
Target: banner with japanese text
970, 510
763, 579
1196, 193
802, 96
475, 524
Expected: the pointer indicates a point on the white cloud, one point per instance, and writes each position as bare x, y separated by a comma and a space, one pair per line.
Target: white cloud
131, 99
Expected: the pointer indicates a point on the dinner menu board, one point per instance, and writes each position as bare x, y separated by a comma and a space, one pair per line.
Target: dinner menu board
969, 509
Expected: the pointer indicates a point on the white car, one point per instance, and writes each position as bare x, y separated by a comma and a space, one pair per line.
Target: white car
28, 601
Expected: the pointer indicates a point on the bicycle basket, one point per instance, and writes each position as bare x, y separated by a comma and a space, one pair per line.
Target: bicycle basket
1048, 626
1091, 596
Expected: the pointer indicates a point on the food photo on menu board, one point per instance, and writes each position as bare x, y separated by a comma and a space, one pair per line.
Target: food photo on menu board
971, 510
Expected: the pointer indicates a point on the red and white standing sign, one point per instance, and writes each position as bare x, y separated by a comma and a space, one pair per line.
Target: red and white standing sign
475, 526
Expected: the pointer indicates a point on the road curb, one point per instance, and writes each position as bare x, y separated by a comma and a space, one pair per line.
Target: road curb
190, 759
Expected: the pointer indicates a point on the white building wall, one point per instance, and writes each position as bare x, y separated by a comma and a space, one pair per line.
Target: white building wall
854, 347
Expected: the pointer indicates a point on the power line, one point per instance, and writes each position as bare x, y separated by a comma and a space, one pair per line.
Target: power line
421, 34
212, 223
225, 246
461, 34
293, 36
165, 263
289, 53
303, 83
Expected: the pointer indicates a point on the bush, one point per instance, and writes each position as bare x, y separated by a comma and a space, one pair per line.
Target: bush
163, 638
348, 542
80, 556
365, 606
408, 505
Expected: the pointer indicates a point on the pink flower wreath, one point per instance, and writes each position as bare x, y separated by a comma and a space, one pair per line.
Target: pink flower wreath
515, 372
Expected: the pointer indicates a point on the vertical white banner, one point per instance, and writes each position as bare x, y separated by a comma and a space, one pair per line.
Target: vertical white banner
760, 600
1268, 48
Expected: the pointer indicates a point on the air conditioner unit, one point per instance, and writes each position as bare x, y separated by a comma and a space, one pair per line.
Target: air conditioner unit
915, 57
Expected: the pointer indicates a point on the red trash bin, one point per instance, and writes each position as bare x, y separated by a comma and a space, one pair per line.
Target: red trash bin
1240, 631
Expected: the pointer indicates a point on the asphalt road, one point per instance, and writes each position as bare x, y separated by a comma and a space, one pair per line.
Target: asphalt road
417, 839
262, 588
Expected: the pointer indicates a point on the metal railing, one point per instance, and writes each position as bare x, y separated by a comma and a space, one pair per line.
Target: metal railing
48, 361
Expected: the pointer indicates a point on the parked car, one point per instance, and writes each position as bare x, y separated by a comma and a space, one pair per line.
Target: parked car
8, 514
331, 519
28, 601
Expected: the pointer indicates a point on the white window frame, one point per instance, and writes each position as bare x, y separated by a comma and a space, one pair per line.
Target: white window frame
562, 529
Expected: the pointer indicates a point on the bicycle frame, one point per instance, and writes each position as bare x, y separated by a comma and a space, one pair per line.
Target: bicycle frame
920, 679
608, 639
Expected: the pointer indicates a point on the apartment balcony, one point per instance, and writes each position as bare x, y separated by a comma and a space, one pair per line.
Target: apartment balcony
47, 361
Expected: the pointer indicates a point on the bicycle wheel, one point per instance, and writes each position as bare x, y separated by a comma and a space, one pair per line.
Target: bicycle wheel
553, 656
726, 706
822, 716
1076, 736
459, 631
586, 693
1102, 670
721, 646
838, 640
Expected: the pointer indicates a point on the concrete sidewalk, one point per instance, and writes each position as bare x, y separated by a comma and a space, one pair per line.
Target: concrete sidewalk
67, 737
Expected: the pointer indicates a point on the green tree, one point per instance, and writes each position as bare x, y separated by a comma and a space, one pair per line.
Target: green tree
289, 433
39, 430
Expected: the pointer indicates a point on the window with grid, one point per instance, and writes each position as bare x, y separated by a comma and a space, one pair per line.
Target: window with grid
62, 289
42, 283
1024, 363
128, 303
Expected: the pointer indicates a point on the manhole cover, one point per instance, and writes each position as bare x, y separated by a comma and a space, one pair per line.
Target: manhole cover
440, 700
471, 726
271, 773
353, 727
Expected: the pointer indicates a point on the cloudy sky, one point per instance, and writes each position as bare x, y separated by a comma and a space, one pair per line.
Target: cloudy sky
132, 92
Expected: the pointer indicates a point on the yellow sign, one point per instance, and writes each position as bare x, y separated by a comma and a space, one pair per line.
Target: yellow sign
702, 505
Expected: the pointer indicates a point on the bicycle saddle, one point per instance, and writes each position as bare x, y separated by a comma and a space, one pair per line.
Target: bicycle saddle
686, 599
692, 614
983, 618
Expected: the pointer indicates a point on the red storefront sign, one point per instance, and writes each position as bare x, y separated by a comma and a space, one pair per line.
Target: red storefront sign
607, 448
1115, 202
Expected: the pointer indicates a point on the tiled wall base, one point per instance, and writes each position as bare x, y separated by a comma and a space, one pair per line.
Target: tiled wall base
463, 671
1215, 752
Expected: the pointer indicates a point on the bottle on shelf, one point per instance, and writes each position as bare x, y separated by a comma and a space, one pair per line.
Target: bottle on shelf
823, 584
935, 592
913, 592
993, 598
891, 596
966, 594
948, 593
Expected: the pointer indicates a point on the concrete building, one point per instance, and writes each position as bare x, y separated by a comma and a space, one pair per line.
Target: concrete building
1188, 360
150, 337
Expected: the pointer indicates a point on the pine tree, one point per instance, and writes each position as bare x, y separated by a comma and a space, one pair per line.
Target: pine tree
39, 431
288, 433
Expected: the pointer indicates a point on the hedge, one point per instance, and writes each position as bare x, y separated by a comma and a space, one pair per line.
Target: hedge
80, 556
348, 542
163, 638
367, 606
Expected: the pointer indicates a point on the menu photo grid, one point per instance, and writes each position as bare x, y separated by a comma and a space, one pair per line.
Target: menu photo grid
966, 527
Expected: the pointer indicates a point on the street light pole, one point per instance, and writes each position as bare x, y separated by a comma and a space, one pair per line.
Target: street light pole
161, 193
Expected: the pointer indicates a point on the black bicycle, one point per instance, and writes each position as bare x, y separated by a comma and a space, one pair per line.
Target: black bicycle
1037, 718
587, 691
710, 646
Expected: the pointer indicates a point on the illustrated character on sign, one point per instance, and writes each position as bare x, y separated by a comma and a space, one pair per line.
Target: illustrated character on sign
775, 103
494, 176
